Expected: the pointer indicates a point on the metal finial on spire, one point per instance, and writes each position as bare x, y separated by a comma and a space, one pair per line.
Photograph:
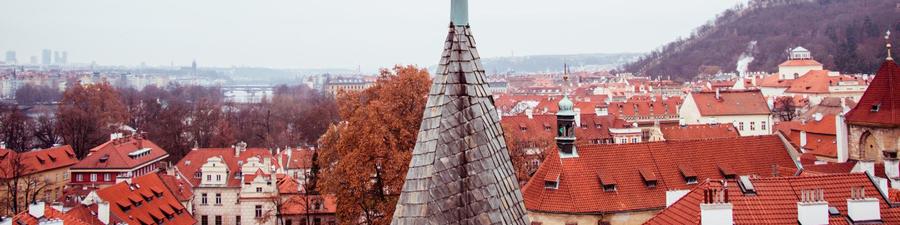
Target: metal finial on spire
459, 12
887, 38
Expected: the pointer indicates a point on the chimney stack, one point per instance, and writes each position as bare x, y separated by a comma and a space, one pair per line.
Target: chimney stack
103, 211
36, 209
716, 209
530, 113
812, 207
802, 141
843, 146
861, 208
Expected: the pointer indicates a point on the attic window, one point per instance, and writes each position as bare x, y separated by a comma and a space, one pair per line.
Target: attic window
139, 153
727, 171
547, 127
523, 128
688, 174
551, 181
649, 177
104, 158
876, 107
608, 184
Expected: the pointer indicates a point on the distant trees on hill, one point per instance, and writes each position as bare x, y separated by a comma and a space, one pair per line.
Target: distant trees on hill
845, 35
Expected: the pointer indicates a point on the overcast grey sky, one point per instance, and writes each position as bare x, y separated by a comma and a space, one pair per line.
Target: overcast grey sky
335, 33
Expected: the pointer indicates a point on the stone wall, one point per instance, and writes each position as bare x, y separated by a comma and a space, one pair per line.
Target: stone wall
884, 139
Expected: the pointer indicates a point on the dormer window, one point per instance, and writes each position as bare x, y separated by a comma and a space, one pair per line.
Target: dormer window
727, 171
607, 183
688, 174
876, 107
523, 128
197, 174
648, 177
551, 181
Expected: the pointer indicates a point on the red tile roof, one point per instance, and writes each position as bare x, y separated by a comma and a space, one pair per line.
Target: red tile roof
88, 214
129, 202
776, 200
703, 131
178, 186
191, 163
818, 82
593, 127
883, 93
749, 102
24, 218
579, 189
297, 205
821, 136
114, 154
36, 161
801, 62
775, 81
300, 158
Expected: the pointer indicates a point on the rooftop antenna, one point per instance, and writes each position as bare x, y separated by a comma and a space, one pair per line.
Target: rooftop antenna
459, 12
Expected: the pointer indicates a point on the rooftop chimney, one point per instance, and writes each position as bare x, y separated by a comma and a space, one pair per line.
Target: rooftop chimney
861, 208
867, 166
36, 209
103, 212
891, 167
812, 207
716, 209
803, 141
841, 138
530, 113
718, 95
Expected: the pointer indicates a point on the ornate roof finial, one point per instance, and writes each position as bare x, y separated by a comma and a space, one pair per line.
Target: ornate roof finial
459, 12
887, 39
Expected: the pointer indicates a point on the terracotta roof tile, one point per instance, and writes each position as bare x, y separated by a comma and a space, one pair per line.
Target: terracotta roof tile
115, 154
882, 94
580, 190
24, 218
750, 102
702, 131
191, 163
775, 201
143, 209
37, 160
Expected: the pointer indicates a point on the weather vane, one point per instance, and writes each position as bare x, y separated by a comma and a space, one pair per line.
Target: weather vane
887, 39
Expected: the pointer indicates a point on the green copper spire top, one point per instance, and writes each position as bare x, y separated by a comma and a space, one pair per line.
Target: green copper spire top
459, 12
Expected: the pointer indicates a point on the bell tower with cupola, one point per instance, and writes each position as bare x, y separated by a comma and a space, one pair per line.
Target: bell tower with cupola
565, 124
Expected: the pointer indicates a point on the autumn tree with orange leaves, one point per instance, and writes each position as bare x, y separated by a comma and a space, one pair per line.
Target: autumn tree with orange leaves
87, 115
364, 158
526, 148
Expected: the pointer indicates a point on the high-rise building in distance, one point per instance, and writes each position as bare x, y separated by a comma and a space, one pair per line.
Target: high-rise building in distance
11, 57
46, 57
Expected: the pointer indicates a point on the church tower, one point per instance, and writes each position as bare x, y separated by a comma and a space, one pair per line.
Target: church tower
565, 125
460, 171
874, 124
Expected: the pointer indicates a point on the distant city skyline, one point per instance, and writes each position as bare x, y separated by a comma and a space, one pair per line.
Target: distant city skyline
335, 34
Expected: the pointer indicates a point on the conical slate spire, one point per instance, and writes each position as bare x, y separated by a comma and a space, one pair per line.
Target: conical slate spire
460, 172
